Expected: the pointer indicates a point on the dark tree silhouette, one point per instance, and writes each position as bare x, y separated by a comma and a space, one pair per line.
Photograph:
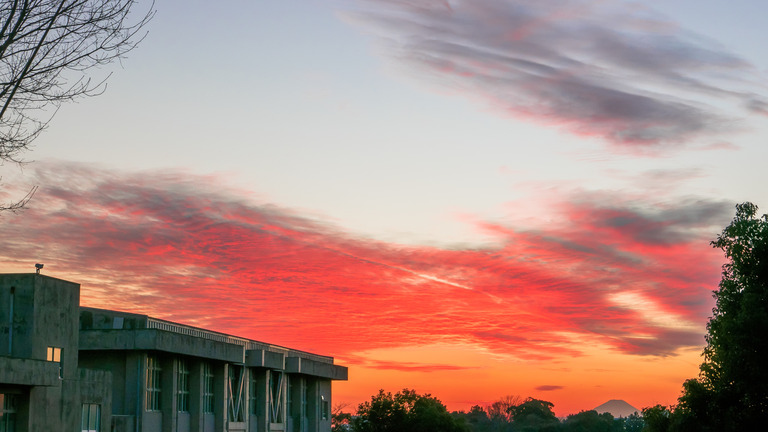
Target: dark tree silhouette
591, 421
406, 411
47, 48
731, 393
657, 418
534, 415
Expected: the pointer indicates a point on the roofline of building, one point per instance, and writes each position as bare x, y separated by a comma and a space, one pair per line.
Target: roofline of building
239, 340
42, 276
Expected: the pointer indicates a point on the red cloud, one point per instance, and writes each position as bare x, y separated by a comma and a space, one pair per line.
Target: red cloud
183, 249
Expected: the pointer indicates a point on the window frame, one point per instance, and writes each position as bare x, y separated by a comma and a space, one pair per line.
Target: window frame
182, 386
154, 384
9, 405
208, 395
90, 418
53, 354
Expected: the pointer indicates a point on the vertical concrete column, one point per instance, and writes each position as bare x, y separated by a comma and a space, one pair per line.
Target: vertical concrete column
246, 396
261, 381
221, 393
169, 393
324, 397
302, 394
313, 405
135, 385
291, 407
196, 385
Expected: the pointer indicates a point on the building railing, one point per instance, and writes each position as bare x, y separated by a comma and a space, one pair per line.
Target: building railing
158, 324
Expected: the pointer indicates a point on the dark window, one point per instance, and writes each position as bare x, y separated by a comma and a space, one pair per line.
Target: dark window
91, 418
252, 395
236, 396
325, 408
289, 395
182, 395
8, 406
207, 388
276, 396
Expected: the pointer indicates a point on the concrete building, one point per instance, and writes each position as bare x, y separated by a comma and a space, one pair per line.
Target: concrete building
42, 388
67, 368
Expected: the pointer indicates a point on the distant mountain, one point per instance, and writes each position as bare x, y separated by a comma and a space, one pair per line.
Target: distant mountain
617, 408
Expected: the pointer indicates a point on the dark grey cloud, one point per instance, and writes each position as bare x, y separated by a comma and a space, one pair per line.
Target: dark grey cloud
599, 69
549, 387
675, 223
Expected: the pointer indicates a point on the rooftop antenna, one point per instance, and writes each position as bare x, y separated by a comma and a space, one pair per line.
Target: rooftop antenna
38, 267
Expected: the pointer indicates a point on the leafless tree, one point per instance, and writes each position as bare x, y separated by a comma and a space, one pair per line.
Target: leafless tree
47, 48
500, 408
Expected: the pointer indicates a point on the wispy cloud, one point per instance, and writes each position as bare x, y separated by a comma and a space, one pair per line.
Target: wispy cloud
549, 388
628, 275
402, 366
612, 70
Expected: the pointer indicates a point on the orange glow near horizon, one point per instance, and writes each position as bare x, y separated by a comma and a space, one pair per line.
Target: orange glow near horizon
465, 376
609, 303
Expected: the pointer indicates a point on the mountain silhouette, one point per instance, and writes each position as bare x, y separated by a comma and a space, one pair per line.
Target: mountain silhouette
617, 408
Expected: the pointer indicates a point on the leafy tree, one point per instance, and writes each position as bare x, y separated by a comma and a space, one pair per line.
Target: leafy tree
406, 411
478, 419
46, 49
694, 412
657, 418
634, 423
534, 415
591, 421
731, 393
495, 417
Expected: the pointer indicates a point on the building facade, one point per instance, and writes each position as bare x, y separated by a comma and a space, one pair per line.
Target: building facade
83, 369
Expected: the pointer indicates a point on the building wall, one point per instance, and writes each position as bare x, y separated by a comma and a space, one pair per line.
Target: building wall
39, 334
60, 361
264, 401
96, 388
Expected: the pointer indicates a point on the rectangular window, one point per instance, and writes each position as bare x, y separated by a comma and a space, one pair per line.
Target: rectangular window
289, 396
304, 391
54, 354
154, 387
8, 406
207, 388
91, 418
325, 408
252, 392
236, 396
276, 396
182, 395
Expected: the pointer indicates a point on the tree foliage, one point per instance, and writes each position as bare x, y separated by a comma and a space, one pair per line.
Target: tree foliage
591, 421
405, 411
657, 418
731, 393
534, 415
633, 423
47, 48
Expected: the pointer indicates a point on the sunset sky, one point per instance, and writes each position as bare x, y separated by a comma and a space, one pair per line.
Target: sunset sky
468, 198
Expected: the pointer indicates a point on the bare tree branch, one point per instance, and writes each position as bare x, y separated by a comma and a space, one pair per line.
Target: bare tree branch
47, 48
18, 205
